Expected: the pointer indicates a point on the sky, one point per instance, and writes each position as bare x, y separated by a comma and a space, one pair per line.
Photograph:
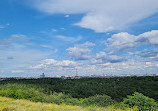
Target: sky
92, 37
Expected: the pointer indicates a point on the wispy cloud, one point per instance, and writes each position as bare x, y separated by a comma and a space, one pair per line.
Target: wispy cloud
4, 26
1, 27
67, 16
69, 39
101, 15
13, 38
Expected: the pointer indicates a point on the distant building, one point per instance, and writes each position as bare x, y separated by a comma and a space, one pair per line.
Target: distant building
63, 77
42, 76
70, 77
76, 77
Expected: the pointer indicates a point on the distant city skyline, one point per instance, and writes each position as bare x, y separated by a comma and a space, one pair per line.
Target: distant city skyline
83, 37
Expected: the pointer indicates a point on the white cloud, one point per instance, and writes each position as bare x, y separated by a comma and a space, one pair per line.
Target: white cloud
4, 26
17, 71
101, 15
67, 16
54, 30
147, 55
81, 51
85, 45
62, 28
122, 42
19, 36
69, 39
151, 36
8, 24
12, 39
103, 58
127, 42
51, 63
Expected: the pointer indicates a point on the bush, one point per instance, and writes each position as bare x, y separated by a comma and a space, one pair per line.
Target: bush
30, 92
73, 101
142, 102
100, 100
22, 91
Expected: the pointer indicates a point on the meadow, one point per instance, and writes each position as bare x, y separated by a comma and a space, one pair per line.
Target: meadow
8, 104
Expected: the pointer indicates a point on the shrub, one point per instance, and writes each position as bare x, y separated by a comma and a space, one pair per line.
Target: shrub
100, 100
21, 91
142, 102
73, 101
59, 98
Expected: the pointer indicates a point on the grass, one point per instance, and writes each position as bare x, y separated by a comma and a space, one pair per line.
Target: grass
8, 104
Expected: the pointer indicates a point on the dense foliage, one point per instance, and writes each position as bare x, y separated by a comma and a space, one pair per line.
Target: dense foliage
23, 91
100, 100
86, 92
142, 102
116, 88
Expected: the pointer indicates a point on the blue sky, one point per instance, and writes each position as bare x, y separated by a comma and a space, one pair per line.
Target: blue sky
93, 36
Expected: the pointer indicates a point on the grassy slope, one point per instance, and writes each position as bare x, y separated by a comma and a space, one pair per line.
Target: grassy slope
8, 104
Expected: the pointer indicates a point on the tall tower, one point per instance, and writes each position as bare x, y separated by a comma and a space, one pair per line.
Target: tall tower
42, 76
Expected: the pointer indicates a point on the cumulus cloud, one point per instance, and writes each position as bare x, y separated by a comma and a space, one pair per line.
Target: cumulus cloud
101, 15
80, 51
122, 42
51, 63
127, 42
102, 58
151, 37
148, 55
69, 39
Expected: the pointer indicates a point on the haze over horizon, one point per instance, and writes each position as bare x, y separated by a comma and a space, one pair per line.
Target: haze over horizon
93, 36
